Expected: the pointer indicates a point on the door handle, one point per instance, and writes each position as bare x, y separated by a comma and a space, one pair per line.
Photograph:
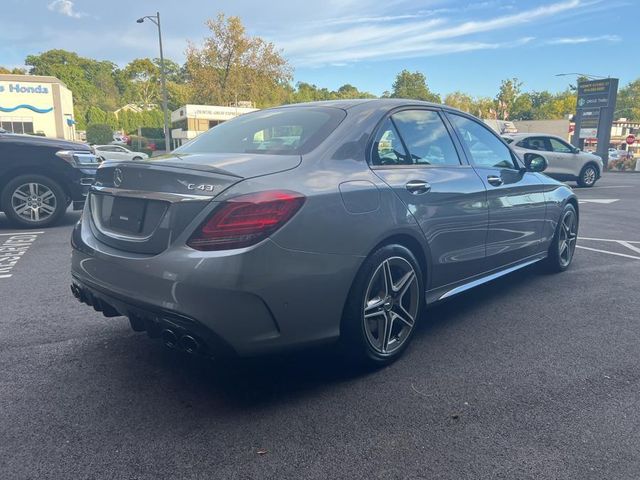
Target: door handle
418, 187
495, 181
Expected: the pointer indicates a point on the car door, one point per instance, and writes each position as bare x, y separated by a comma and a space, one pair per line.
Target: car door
516, 203
121, 153
416, 155
562, 158
108, 152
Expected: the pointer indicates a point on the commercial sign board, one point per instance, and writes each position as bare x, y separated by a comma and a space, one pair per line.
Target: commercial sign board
590, 122
594, 113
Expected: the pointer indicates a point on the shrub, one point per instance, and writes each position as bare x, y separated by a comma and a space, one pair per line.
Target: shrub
99, 134
152, 132
137, 143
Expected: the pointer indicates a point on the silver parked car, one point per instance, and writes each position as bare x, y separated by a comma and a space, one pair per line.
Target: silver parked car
566, 162
316, 222
117, 152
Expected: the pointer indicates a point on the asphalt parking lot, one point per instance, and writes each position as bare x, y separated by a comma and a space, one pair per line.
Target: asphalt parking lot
533, 376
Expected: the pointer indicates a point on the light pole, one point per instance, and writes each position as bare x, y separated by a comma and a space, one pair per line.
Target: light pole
586, 75
167, 137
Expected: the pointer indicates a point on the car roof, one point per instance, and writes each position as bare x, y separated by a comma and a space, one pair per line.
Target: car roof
520, 136
369, 102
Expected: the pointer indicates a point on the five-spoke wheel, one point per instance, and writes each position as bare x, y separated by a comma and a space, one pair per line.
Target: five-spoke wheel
391, 305
563, 245
384, 306
568, 234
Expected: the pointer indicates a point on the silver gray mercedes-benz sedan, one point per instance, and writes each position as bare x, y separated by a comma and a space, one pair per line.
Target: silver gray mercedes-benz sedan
316, 222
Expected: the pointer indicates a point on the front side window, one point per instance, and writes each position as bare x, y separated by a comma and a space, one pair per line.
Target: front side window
485, 148
559, 146
426, 137
284, 131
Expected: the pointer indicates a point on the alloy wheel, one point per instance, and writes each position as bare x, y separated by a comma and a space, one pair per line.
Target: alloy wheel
568, 234
589, 176
391, 305
34, 202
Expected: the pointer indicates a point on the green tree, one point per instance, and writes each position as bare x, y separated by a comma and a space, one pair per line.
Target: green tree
144, 82
628, 104
484, 107
522, 108
459, 100
507, 96
13, 71
413, 85
91, 81
99, 134
96, 115
231, 66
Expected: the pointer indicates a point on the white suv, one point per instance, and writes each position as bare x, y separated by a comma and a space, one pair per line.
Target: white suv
566, 162
117, 152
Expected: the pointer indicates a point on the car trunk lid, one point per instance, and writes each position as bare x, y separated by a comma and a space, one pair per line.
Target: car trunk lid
143, 206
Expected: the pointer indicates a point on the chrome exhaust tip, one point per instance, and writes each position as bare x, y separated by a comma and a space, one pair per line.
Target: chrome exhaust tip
189, 344
169, 338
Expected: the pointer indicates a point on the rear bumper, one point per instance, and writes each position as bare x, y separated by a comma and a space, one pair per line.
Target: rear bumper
248, 302
151, 319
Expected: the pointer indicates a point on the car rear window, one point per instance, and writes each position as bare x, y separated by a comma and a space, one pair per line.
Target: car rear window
283, 131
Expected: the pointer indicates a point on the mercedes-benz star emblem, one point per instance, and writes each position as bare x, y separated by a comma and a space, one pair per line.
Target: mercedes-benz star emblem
117, 177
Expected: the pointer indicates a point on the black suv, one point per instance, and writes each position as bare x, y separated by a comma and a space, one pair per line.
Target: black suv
40, 177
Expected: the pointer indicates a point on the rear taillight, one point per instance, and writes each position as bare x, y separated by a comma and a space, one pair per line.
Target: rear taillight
246, 220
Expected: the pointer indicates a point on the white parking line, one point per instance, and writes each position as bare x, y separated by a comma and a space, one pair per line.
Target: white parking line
609, 240
21, 233
612, 186
606, 251
12, 248
605, 201
629, 246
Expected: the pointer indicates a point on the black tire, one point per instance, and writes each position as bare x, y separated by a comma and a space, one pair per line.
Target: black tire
555, 261
358, 336
56, 202
137, 159
588, 176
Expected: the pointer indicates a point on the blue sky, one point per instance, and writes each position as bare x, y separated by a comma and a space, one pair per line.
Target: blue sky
458, 45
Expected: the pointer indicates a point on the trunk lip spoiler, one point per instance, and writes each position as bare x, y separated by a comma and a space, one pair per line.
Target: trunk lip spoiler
162, 164
151, 195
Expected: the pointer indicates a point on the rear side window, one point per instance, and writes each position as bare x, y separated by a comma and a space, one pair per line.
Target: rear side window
426, 137
285, 131
535, 143
388, 148
485, 148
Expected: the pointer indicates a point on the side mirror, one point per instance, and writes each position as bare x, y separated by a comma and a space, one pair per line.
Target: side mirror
576, 150
535, 162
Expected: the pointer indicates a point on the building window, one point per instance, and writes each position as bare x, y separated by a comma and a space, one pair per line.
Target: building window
17, 124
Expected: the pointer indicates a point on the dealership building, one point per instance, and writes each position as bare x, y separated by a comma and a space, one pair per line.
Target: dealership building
36, 104
189, 121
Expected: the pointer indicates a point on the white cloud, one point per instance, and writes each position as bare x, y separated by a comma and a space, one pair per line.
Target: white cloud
412, 35
65, 7
576, 40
